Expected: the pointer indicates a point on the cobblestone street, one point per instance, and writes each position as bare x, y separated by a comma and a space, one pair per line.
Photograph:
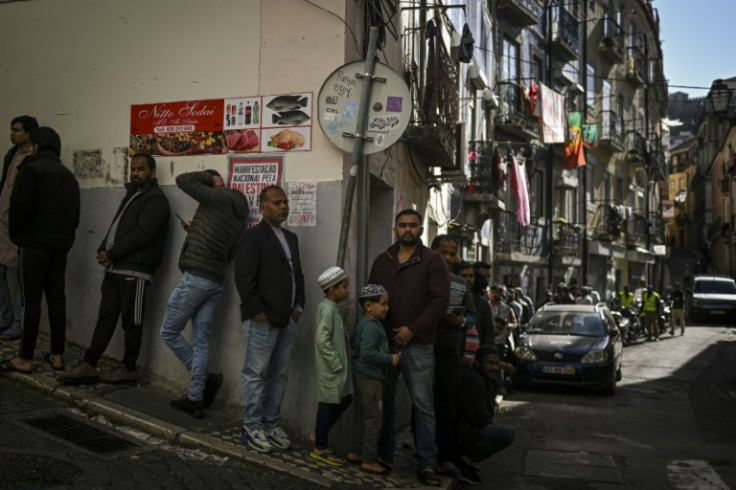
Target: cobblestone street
31, 458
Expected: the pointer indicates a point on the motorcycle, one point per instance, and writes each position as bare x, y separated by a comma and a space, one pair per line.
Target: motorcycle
635, 325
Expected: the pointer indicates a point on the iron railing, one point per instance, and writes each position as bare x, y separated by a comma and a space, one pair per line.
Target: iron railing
612, 42
612, 130
512, 237
636, 228
636, 65
514, 113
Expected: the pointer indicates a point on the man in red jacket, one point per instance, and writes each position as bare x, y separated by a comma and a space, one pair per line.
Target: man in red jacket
418, 284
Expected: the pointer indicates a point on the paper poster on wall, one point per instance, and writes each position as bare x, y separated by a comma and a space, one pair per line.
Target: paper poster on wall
250, 175
191, 127
302, 204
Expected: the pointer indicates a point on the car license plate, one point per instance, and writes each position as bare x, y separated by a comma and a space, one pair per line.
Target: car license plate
558, 370
718, 312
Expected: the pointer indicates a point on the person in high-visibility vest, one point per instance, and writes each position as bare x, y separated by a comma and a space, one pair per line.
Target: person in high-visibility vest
650, 307
626, 298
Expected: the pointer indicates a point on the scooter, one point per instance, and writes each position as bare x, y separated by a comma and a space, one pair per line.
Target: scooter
664, 318
635, 325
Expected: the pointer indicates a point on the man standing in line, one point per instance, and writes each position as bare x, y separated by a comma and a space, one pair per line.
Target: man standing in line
10, 321
44, 214
216, 225
131, 252
677, 300
418, 283
269, 278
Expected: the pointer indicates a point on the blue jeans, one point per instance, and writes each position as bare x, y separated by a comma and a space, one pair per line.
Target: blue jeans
491, 439
6, 306
194, 298
417, 366
265, 369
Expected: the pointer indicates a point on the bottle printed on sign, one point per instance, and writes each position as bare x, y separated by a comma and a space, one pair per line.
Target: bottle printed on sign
256, 110
248, 113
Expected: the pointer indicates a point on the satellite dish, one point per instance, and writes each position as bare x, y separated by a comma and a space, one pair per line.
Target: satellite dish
641, 178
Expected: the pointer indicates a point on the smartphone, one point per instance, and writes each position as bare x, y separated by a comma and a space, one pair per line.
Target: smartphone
458, 311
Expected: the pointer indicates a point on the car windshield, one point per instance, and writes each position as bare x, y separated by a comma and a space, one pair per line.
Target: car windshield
585, 324
715, 287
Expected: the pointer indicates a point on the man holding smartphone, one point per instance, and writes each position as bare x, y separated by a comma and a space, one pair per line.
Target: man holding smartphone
131, 251
448, 350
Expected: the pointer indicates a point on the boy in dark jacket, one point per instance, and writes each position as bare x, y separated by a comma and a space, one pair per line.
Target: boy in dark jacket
479, 436
131, 252
370, 362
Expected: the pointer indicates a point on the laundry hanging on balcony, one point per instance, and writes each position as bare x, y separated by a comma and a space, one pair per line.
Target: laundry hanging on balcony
520, 187
574, 154
465, 51
549, 109
497, 170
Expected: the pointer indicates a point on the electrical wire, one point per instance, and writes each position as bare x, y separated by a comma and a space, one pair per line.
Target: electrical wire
355, 39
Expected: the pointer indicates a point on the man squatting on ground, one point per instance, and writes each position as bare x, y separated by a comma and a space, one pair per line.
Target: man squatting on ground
217, 223
130, 252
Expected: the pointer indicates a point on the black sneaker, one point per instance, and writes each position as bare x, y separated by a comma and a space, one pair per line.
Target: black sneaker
211, 387
469, 476
184, 404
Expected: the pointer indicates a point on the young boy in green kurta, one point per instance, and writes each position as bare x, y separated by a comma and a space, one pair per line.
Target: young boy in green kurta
335, 385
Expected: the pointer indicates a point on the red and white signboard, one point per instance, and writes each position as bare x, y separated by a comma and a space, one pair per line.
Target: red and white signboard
250, 175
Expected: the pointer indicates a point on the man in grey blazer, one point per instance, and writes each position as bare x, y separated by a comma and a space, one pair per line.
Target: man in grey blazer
269, 278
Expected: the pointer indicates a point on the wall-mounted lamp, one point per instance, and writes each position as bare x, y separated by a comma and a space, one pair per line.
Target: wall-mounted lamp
719, 98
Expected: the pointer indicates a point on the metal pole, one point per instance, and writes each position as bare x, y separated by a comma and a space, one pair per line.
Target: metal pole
364, 187
584, 170
647, 149
362, 123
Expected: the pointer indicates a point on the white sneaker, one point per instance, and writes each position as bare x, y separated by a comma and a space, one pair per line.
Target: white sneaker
278, 438
256, 439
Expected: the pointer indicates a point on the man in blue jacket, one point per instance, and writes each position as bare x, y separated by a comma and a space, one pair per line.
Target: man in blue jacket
131, 252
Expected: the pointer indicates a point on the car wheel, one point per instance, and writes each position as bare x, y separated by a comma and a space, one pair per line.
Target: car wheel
610, 390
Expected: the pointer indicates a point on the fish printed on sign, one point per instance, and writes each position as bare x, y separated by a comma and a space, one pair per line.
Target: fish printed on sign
287, 102
289, 118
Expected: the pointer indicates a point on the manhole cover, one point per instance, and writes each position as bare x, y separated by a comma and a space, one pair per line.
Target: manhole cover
80, 433
21, 470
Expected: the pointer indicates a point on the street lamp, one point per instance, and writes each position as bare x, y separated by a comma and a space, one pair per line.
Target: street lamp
720, 98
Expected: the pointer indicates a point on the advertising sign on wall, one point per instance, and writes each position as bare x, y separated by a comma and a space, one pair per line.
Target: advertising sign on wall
250, 175
257, 124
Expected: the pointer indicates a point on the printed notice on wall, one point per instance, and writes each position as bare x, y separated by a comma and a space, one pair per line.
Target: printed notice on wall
250, 175
302, 204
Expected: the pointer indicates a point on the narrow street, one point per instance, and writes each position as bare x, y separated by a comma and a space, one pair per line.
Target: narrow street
670, 425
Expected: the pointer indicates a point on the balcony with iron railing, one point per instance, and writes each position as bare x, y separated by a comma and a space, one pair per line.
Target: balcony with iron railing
566, 240
482, 174
565, 34
432, 130
511, 237
514, 113
657, 160
636, 65
611, 132
635, 148
636, 229
612, 43
523, 13
657, 227
608, 223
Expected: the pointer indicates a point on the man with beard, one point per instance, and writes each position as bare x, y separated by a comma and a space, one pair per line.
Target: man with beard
131, 252
418, 283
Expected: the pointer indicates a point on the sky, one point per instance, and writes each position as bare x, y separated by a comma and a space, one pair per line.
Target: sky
697, 42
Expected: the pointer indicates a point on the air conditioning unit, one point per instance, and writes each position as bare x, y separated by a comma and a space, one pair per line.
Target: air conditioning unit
564, 75
490, 99
476, 77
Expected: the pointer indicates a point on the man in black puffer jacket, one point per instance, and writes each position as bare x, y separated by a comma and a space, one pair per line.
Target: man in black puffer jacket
219, 220
44, 214
131, 252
